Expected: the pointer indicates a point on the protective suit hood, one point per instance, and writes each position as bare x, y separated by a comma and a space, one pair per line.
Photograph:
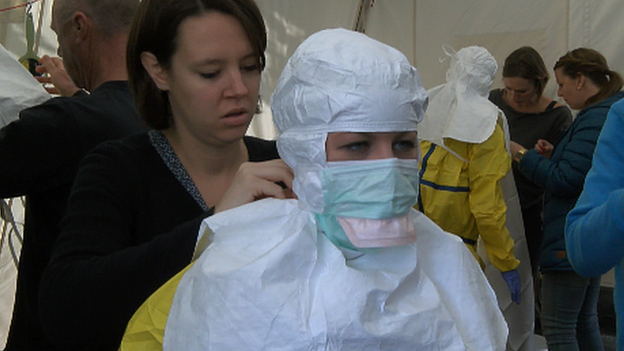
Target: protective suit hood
460, 109
327, 87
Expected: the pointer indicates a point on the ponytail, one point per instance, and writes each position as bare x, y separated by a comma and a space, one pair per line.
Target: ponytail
593, 66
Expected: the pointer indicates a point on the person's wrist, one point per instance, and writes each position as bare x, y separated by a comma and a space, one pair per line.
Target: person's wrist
517, 157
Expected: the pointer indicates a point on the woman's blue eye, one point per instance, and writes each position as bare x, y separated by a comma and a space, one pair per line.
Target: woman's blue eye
404, 145
357, 146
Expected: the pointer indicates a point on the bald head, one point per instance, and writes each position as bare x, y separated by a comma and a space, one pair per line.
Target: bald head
92, 37
112, 17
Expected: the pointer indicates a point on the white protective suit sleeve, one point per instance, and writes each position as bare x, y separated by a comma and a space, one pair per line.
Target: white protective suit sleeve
18, 88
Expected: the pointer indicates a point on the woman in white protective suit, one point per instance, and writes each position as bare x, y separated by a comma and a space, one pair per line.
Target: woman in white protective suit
349, 265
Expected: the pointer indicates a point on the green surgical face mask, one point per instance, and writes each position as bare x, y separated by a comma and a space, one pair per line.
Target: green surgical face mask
367, 202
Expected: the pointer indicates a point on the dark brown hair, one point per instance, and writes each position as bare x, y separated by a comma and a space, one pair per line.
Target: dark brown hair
155, 30
526, 62
593, 66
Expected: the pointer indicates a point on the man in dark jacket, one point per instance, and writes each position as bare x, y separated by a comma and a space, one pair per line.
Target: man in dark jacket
40, 152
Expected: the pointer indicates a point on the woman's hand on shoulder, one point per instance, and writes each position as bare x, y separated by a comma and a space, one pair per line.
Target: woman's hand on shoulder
255, 181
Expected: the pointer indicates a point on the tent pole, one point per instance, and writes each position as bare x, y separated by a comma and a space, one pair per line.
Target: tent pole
360, 19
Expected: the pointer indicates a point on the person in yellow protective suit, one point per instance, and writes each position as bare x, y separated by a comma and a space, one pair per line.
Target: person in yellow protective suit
464, 159
449, 183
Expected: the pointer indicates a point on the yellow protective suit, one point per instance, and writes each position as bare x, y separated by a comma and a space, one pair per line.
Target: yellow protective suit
146, 329
464, 197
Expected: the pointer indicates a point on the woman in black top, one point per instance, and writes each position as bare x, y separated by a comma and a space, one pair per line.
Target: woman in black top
137, 204
531, 116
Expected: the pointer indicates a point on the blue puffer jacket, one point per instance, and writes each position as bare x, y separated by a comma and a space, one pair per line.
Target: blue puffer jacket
562, 177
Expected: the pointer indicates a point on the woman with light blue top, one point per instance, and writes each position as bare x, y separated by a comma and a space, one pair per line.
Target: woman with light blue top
595, 227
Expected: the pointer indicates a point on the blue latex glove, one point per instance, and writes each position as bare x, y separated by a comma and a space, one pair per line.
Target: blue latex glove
512, 278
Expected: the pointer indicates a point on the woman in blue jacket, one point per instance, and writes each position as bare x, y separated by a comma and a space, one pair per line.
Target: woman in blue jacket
569, 302
595, 227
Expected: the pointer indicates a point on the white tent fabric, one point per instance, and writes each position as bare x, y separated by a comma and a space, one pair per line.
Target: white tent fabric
418, 28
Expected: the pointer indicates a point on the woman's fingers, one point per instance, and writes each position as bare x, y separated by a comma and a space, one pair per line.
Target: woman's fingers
544, 147
258, 180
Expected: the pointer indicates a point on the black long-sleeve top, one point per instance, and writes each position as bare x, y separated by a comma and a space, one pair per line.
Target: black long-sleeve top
133, 218
39, 157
